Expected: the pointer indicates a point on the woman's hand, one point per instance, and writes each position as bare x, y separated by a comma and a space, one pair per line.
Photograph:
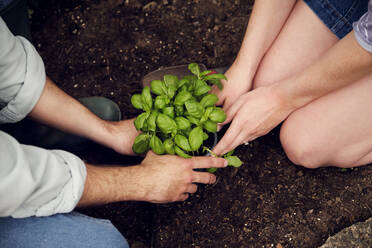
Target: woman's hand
254, 114
238, 82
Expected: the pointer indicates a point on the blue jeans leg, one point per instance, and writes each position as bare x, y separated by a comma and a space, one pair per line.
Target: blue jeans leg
61, 230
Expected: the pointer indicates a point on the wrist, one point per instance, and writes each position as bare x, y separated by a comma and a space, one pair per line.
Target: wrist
245, 68
105, 134
284, 96
117, 135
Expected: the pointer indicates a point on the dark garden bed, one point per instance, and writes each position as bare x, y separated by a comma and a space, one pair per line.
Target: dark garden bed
105, 47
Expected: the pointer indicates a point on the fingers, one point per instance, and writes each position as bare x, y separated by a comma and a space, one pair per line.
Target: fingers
191, 188
229, 137
219, 94
204, 177
183, 197
150, 154
233, 109
208, 162
241, 139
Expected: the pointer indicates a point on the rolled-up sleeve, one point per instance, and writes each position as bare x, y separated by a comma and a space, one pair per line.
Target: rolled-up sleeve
363, 29
38, 182
22, 76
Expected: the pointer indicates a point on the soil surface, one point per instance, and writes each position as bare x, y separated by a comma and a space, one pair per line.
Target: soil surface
105, 48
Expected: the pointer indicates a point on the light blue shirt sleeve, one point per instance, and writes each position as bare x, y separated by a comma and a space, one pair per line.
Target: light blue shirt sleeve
33, 181
363, 29
22, 76
38, 182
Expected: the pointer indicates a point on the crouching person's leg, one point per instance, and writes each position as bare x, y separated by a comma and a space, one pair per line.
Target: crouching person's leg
61, 230
335, 130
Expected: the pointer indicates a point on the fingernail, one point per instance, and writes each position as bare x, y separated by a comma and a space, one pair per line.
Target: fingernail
226, 163
219, 127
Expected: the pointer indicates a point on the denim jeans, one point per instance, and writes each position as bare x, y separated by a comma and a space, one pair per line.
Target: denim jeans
338, 15
62, 230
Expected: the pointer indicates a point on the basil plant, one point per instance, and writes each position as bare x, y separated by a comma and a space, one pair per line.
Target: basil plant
178, 114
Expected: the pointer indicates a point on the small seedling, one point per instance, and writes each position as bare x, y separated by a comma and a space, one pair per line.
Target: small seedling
178, 115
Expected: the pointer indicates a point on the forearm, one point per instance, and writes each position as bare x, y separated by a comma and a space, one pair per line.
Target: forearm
265, 23
57, 109
157, 179
343, 64
111, 184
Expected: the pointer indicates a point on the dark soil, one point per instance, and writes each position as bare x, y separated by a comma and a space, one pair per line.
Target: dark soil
105, 47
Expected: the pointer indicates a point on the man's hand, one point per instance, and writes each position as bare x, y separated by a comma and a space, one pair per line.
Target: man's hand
122, 135
171, 178
158, 179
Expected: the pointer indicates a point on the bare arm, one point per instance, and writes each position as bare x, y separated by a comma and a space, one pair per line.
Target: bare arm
343, 64
157, 179
58, 109
265, 23
259, 111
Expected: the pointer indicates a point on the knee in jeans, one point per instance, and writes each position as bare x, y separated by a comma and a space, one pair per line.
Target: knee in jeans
108, 236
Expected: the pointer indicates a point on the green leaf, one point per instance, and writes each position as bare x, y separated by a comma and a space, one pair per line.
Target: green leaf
196, 138
234, 161
141, 120
201, 90
191, 78
158, 87
229, 153
210, 126
209, 100
179, 110
156, 145
144, 127
171, 81
218, 115
182, 142
204, 73
141, 143
212, 170
215, 76
151, 121
171, 84
161, 102
194, 109
205, 136
193, 120
146, 98
218, 83
186, 132
137, 101
182, 97
166, 124
183, 82
181, 153
199, 82
169, 111
169, 146
206, 114
182, 123
194, 68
